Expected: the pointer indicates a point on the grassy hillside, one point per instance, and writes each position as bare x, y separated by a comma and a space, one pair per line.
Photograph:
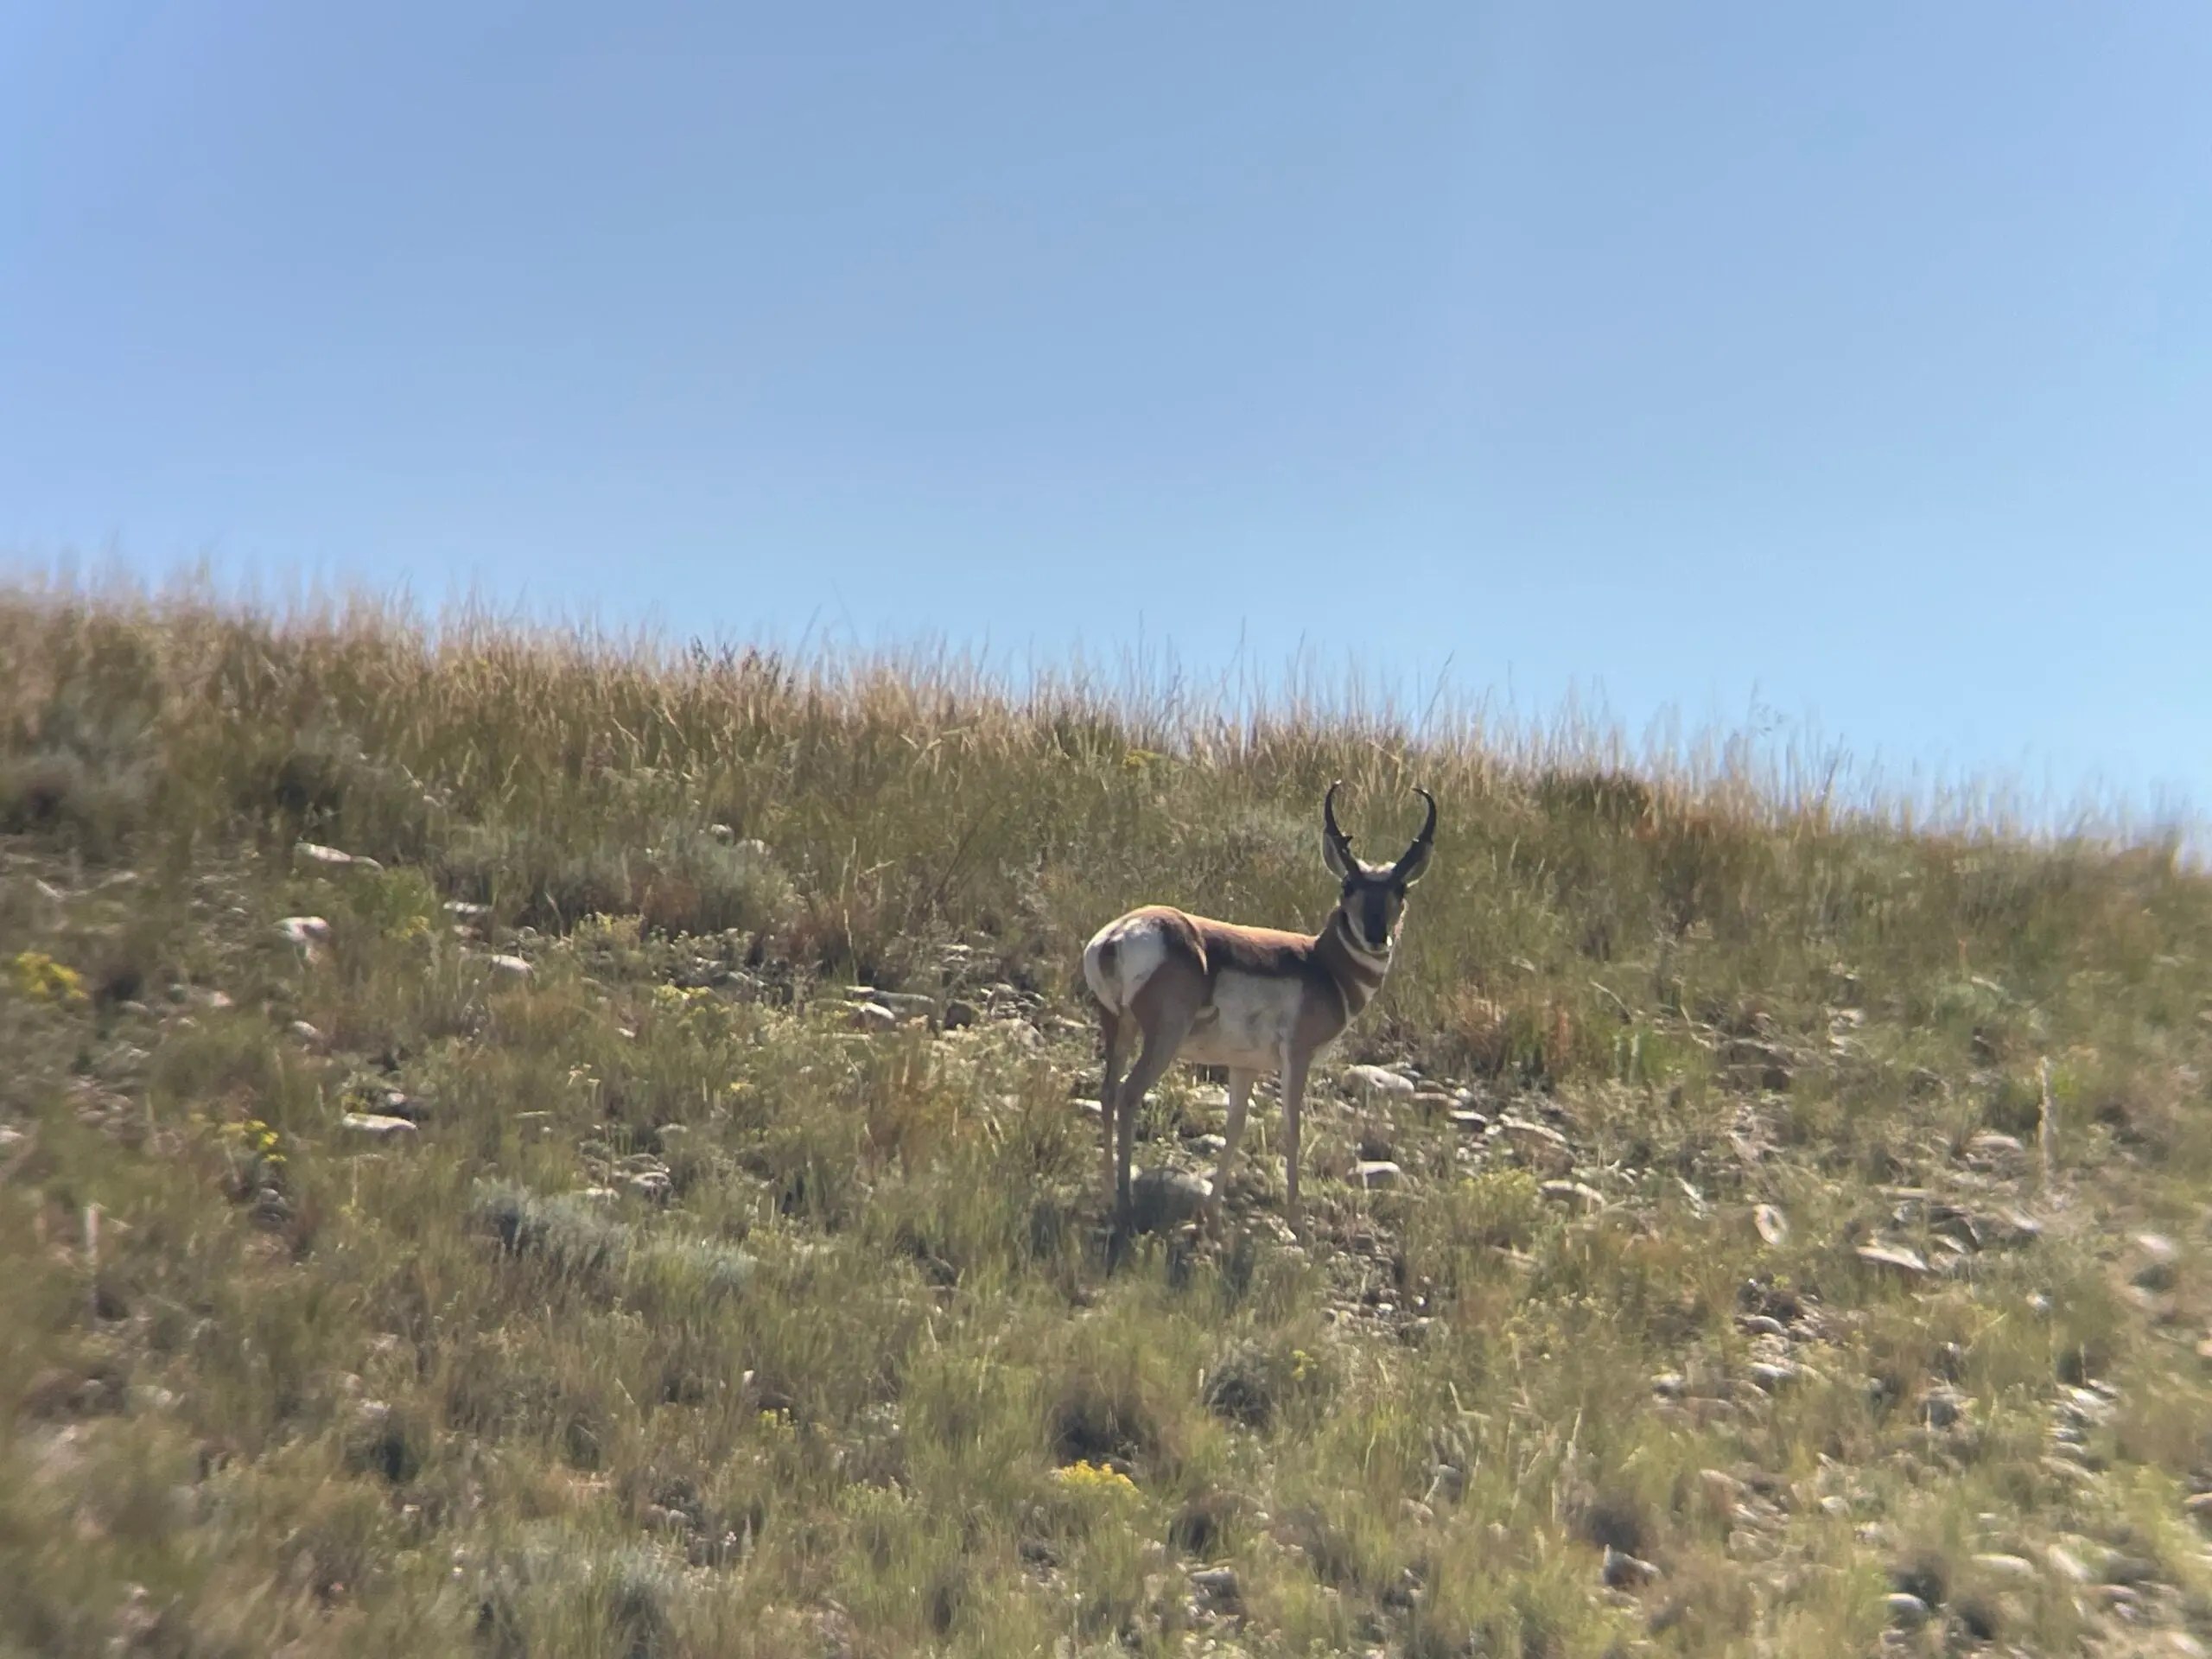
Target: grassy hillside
530, 1241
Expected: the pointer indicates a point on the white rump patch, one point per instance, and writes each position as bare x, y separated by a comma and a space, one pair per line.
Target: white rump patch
1138, 950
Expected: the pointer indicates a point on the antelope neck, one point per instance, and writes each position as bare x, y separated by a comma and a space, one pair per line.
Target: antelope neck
1374, 961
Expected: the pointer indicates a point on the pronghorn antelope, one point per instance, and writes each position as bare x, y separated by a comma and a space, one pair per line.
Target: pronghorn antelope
1255, 999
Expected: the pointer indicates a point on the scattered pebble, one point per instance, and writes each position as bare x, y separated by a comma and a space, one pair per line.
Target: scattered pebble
1908, 1263
1991, 1150
2064, 1562
396, 1104
1906, 1611
1941, 1408
2130, 1569
899, 1002
1623, 1571
308, 852
2161, 1266
1160, 1199
1540, 1141
1376, 1080
1218, 1584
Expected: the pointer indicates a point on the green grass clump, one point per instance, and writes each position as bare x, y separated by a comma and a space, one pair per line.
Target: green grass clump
543, 1253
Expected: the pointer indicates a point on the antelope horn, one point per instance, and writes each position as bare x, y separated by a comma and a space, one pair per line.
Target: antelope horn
1422, 841
1338, 839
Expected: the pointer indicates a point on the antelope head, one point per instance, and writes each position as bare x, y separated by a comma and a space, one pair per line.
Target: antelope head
1373, 898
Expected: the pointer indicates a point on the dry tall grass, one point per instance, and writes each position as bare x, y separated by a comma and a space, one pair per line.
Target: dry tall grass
688, 1317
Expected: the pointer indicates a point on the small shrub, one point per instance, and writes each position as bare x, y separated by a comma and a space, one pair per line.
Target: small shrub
567, 1233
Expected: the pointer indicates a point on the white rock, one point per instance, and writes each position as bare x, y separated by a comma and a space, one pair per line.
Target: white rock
305, 930
873, 1016
1217, 1584
1907, 1611
517, 966
1164, 1199
1773, 1225
1889, 1256
1378, 1174
1623, 1571
1539, 1142
308, 852
310, 1034
897, 1002
377, 1125
1376, 1080
1531, 1132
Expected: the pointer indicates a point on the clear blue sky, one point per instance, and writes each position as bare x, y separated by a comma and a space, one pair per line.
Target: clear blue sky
1858, 357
